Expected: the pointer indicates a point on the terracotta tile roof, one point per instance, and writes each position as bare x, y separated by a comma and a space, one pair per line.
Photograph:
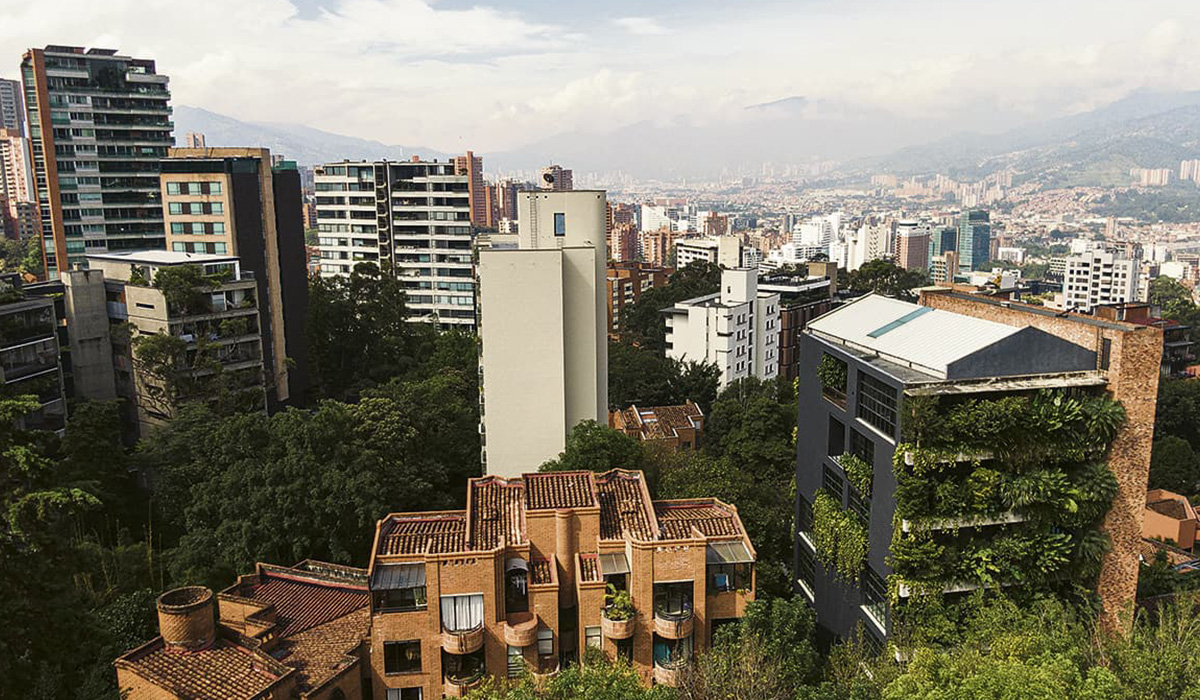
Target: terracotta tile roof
624, 508
677, 518
540, 571
419, 533
661, 422
496, 509
321, 652
1147, 548
1169, 507
589, 568
303, 604
560, 490
224, 670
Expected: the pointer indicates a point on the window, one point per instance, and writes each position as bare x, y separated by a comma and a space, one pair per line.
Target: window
625, 650
806, 568
673, 600
1105, 352
804, 518
672, 653
591, 636
545, 641
402, 657
404, 694
877, 403
401, 599
516, 662
875, 595
560, 224
831, 481
462, 612
723, 578
862, 447
837, 437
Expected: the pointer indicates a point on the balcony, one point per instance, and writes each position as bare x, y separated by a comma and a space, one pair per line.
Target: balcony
618, 629
547, 668
673, 626
459, 688
520, 629
464, 642
668, 675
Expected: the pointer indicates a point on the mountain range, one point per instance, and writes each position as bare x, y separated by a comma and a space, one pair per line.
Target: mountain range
1092, 148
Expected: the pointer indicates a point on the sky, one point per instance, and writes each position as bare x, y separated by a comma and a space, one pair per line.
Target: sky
498, 74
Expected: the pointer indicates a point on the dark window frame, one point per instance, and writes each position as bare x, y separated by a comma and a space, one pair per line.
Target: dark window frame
876, 404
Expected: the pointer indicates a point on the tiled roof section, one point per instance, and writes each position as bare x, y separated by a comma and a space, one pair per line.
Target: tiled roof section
662, 422
303, 604
321, 652
1169, 507
589, 568
540, 571
624, 508
497, 512
677, 518
435, 533
225, 670
560, 490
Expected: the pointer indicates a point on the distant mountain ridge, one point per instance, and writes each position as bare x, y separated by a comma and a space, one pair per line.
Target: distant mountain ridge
303, 144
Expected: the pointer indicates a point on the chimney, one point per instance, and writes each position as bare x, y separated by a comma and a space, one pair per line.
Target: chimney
187, 619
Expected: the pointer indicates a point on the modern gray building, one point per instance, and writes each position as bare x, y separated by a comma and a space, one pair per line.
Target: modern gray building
412, 219
12, 107
865, 368
974, 240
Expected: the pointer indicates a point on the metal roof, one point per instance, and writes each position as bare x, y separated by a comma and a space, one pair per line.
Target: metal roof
388, 577
734, 552
926, 338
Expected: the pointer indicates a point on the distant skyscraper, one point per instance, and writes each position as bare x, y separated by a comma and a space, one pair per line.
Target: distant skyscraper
16, 176
12, 106
85, 105
471, 166
974, 240
912, 245
557, 178
195, 140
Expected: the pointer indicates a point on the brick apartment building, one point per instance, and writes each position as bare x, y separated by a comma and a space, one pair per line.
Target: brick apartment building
626, 282
679, 427
279, 633
518, 581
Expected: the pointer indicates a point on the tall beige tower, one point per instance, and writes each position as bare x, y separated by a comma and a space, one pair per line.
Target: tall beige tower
543, 328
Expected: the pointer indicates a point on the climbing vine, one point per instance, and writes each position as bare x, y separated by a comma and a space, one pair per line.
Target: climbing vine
839, 536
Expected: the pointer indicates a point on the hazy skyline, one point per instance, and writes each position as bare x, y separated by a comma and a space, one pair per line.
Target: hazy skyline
457, 74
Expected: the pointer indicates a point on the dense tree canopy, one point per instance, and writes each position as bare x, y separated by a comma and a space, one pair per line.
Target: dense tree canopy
638, 375
887, 278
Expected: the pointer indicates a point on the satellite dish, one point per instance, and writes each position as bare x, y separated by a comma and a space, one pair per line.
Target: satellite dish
548, 177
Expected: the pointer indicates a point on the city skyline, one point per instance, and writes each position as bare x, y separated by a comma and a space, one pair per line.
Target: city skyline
452, 75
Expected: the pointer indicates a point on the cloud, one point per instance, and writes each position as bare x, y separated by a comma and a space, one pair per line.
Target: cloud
642, 26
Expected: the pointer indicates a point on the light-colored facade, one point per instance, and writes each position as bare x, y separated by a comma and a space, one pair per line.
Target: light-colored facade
17, 182
412, 219
1099, 277
737, 329
544, 317
725, 251
194, 140
223, 325
99, 125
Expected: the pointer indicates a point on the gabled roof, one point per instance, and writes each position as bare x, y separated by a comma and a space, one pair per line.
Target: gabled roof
947, 345
929, 338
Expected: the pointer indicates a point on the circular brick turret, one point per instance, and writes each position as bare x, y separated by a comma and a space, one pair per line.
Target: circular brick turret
185, 618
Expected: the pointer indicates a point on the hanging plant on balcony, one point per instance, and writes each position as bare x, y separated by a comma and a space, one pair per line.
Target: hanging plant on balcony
832, 373
858, 472
839, 536
618, 605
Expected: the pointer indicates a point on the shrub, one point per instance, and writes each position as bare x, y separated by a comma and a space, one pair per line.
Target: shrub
839, 536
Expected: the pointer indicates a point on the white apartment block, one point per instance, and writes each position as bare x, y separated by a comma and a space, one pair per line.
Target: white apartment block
543, 329
737, 329
725, 251
412, 219
1099, 277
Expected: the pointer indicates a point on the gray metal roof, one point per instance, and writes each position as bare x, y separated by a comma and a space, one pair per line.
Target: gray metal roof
388, 577
928, 339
